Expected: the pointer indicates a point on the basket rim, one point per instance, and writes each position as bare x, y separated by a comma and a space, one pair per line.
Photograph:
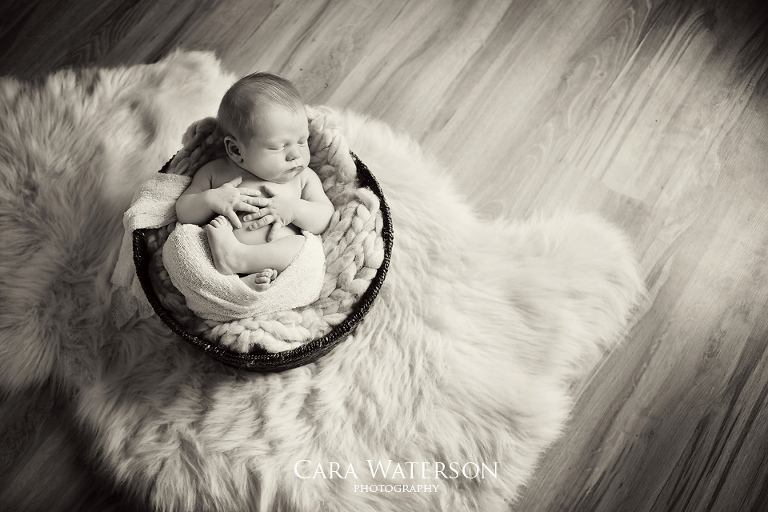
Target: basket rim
268, 362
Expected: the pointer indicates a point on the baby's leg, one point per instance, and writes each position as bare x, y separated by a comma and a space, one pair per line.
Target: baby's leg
230, 256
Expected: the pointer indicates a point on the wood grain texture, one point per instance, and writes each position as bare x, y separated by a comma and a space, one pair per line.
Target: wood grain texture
652, 113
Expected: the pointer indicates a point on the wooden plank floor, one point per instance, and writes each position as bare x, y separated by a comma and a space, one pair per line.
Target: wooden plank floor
653, 114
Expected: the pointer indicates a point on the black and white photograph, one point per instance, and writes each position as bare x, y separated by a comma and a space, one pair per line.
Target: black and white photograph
383, 256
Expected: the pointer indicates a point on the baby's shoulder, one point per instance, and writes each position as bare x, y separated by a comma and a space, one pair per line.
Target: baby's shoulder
216, 172
307, 176
311, 186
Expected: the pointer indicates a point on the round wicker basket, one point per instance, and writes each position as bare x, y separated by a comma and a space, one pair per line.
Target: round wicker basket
263, 361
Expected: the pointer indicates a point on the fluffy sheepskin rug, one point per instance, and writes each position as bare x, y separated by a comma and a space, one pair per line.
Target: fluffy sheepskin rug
459, 375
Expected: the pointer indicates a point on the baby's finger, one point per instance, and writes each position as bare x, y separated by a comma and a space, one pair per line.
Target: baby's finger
242, 206
260, 223
273, 232
249, 191
258, 213
265, 221
232, 216
256, 201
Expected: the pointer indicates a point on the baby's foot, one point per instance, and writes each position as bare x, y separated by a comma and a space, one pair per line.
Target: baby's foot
224, 246
260, 281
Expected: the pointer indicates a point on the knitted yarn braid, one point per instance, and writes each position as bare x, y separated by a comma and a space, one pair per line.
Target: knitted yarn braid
353, 245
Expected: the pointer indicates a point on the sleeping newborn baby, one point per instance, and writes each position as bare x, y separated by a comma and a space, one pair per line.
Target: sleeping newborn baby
262, 194
261, 207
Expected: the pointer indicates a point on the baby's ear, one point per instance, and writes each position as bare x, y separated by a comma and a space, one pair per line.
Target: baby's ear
230, 144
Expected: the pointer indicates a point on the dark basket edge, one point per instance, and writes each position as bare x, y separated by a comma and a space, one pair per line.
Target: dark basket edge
275, 362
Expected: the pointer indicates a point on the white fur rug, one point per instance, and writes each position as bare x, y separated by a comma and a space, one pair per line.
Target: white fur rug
465, 360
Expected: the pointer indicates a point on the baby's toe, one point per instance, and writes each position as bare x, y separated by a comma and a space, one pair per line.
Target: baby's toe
257, 281
268, 274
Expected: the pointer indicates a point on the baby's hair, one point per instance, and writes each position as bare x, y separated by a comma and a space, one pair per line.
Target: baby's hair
240, 107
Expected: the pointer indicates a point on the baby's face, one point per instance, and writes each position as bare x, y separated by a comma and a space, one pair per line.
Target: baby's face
279, 151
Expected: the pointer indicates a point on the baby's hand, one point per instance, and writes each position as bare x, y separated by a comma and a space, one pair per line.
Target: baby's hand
227, 200
276, 210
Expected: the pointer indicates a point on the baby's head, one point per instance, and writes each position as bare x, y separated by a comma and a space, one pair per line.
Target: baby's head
265, 126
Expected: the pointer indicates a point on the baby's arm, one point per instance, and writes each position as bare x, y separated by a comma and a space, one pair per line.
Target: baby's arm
312, 212
199, 202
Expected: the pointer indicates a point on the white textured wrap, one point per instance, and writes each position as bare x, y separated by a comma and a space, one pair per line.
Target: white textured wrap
215, 296
153, 205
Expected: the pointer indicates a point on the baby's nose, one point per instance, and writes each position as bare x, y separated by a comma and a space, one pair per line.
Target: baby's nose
293, 152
